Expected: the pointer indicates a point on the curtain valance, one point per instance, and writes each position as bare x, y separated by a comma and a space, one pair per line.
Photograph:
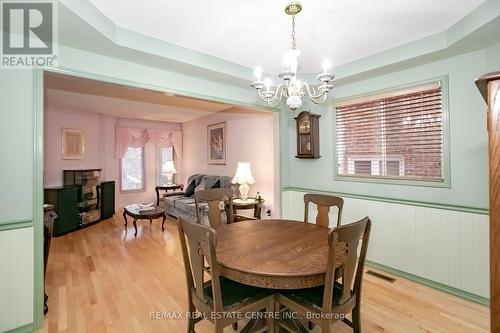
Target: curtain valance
137, 138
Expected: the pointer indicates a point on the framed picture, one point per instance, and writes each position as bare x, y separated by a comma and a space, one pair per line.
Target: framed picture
216, 139
72, 144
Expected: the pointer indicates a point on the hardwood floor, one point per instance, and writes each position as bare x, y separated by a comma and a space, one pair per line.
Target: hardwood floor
102, 279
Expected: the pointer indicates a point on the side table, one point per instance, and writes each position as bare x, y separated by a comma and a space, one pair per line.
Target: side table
250, 203
166, 188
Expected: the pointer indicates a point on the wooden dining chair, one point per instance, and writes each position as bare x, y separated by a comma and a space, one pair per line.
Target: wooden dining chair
323, 202
218, 299
332, 302
214, 197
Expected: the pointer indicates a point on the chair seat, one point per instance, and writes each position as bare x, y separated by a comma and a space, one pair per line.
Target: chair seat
234, 293
313, 296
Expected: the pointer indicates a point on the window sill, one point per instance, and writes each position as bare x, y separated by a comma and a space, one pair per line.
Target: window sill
133, 191
388, 181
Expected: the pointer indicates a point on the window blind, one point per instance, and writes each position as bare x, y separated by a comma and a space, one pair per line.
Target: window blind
396, 135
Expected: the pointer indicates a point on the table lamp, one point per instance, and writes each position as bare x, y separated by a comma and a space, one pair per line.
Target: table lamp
243, 177
169, 171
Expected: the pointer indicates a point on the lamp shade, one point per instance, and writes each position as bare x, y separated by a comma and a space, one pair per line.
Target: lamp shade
169, 167
243, 174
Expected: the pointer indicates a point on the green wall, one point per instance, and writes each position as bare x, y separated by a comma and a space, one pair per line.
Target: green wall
21, 171
468, 136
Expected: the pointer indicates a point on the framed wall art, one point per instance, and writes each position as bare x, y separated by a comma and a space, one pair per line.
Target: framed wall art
216, 139
73, 145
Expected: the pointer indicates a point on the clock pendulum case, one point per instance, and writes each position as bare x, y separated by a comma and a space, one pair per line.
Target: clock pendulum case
307, 135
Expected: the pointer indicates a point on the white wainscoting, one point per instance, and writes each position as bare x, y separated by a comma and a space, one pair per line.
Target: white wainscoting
16, 278
444, 246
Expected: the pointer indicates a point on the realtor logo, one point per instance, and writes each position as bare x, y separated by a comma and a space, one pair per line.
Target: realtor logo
28, 34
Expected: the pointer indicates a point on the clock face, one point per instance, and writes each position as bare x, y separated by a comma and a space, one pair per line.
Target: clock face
304, 125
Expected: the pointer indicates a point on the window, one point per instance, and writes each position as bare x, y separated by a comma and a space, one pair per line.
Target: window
132, 166
163, 155
396, 135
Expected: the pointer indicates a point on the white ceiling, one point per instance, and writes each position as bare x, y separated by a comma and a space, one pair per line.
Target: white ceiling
257, 32
69, 92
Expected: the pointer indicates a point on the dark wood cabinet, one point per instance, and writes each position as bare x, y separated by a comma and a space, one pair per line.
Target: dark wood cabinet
107, 196
307, 135
82, 201
65, 202
489, 86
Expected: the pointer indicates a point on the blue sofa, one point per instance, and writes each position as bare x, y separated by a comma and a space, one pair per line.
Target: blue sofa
181, 204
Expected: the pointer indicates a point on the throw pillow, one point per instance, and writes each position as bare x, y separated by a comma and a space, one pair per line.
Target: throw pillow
217, 184
190, 189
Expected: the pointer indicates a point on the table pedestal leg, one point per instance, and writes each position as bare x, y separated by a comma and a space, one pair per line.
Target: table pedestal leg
135, 227
125, 218
163, 223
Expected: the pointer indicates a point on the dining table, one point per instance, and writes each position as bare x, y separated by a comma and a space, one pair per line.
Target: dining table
275, 253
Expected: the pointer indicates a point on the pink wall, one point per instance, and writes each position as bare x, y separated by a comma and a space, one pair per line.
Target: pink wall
55, 119
250, 137
99, 136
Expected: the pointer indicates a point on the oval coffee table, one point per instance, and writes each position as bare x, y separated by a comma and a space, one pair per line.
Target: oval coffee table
136, 213
276, 254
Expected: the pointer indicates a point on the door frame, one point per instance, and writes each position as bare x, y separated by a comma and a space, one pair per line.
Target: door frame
38, 162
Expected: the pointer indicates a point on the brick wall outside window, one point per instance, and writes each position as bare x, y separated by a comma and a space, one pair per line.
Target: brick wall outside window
403, 133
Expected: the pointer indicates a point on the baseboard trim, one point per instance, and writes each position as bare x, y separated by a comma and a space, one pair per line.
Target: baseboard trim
22, 329
432, 284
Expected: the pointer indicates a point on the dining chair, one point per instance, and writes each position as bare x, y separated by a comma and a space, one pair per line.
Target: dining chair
332, 302
214, 197
323, 202
218, 299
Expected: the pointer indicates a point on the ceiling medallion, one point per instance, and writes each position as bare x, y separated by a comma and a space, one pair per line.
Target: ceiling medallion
292, 88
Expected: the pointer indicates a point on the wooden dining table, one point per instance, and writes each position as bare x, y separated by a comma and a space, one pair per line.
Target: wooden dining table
275, 254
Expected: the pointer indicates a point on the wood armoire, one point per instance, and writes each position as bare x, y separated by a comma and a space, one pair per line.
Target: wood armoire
489, 86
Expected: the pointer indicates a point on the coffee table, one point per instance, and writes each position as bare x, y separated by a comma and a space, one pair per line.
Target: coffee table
135, 211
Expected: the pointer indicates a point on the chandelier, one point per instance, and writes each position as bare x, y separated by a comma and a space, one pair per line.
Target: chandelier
293, 88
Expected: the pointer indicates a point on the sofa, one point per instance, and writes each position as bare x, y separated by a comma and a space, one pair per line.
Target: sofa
182, 204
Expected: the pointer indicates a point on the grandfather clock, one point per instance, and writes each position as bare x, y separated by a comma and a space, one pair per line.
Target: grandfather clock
489, 86
307, 135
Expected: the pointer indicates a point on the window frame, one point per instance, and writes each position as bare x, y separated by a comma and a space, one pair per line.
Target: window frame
446, 183
143, 188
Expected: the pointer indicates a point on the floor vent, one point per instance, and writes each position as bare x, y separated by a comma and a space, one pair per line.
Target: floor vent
381, 276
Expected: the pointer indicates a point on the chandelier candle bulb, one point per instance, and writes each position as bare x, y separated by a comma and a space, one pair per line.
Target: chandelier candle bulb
258, 73
326, 65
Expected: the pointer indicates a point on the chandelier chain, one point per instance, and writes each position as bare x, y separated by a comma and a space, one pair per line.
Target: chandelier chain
294, 45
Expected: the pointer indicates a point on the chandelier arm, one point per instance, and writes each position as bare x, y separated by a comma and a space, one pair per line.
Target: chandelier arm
316, 92
274, 100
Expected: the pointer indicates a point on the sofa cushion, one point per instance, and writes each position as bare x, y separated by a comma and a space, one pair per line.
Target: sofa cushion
186, 204
208, 181
170, 200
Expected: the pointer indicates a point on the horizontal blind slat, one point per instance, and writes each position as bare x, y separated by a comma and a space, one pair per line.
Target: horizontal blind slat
394, 137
